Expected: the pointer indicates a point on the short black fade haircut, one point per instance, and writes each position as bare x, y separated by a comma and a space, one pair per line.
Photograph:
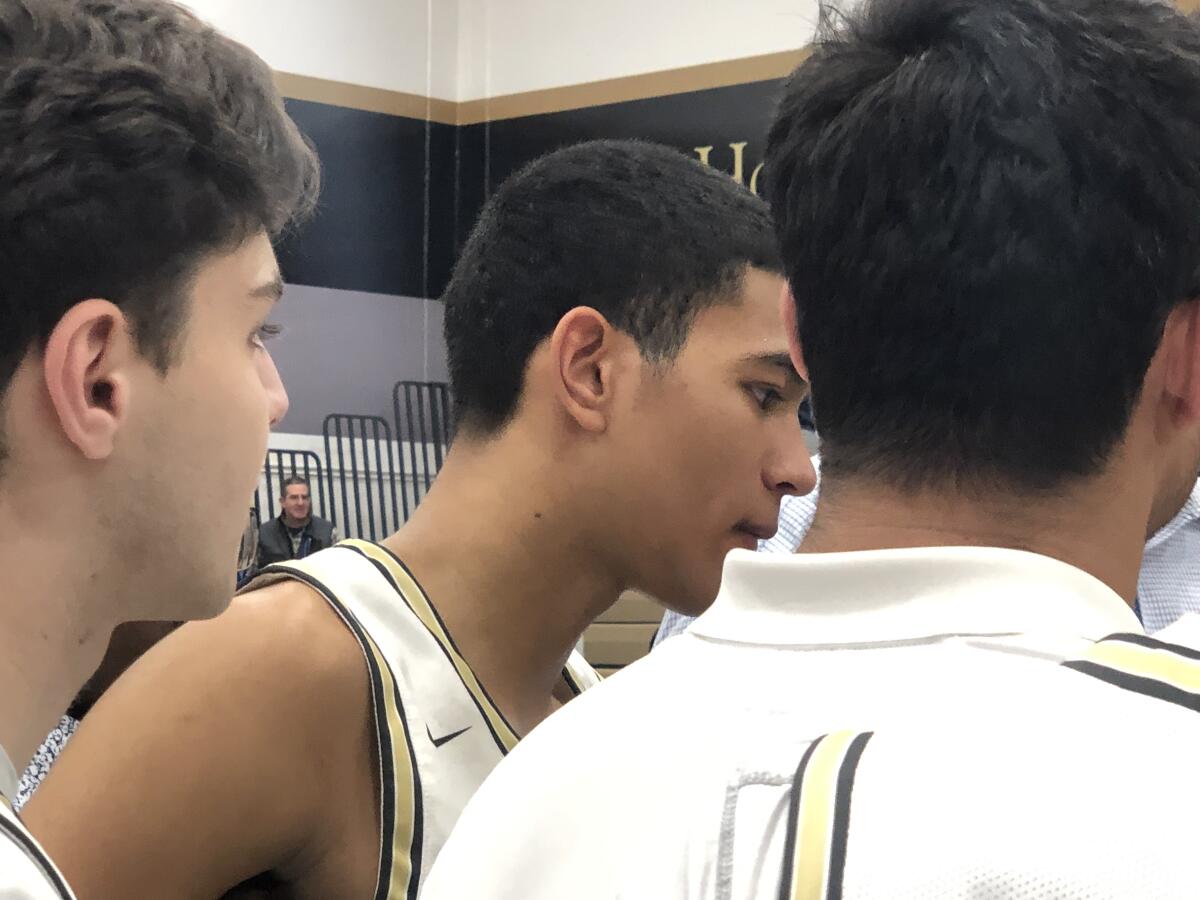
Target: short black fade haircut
639, 232
987, 209
136, 141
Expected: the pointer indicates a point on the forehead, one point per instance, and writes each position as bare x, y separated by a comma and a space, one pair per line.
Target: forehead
753, 325
227, 277
296, 490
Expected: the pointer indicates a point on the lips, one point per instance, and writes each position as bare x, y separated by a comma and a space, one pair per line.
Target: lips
755, 531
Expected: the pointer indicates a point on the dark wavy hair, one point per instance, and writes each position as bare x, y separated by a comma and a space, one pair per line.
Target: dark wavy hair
136, 141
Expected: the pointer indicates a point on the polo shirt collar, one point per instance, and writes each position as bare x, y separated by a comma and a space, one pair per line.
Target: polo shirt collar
893, 595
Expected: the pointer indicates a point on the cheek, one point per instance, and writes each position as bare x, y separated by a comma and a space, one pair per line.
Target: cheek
238, 418
729, 446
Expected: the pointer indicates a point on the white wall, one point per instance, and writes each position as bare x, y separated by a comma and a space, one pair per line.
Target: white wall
377, 43
512, 46
473, 49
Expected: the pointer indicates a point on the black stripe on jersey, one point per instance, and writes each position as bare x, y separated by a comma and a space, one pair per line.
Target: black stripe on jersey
793, 822
387, 789
1144, 640
841, 815
36, 856
1151, 687
388, 575
571, 683
449, 636
418, 822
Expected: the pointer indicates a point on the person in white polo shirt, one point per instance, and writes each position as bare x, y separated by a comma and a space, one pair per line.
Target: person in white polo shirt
989, 213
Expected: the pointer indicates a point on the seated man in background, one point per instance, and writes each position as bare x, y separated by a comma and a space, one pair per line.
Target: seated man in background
295, 533
145, 165
989, 212
614, 344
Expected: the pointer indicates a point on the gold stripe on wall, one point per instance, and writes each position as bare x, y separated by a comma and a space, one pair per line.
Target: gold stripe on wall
368, 99
532, 103
559, 99
632, 87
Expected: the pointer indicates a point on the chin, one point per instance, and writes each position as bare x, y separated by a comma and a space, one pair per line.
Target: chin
694, 599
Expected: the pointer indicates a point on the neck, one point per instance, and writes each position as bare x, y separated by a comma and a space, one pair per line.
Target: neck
50, 642
509, 568
1077, 527
295, 523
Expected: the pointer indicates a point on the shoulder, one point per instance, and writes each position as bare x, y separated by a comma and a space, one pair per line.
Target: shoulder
246, 725
270, 527
284, 634
276, 671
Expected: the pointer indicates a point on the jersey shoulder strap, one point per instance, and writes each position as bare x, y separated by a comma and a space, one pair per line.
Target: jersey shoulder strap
41, 879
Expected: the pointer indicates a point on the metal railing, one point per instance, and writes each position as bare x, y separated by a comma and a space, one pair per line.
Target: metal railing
360, 449
423, 416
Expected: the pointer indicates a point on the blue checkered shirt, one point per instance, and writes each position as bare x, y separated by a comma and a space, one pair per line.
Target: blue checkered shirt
1168, 587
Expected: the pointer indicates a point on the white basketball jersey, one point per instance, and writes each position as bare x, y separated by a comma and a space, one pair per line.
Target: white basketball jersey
438, 732
26, 872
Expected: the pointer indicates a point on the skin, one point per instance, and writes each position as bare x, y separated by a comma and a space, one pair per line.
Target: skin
238, 752
93, 425
129, 642
297, 505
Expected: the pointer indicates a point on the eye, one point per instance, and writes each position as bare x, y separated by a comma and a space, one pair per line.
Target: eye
765, 396
264, 333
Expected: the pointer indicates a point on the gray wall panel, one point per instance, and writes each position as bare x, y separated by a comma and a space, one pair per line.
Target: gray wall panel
341, 351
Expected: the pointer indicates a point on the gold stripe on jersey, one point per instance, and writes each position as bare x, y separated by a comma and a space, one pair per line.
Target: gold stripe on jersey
1145, 665
414, 595
400, 804
818, 825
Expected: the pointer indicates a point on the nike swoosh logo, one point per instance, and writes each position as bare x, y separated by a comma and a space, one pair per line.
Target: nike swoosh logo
438, 742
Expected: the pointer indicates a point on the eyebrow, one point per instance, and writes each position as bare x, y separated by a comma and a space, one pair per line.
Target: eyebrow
271, 290
778, 360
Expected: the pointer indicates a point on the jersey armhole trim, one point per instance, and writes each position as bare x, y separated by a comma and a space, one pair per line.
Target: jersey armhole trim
401, 835
395, 572
36, 855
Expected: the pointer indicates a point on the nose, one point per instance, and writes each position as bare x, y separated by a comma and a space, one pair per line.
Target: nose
789, 469
277, 398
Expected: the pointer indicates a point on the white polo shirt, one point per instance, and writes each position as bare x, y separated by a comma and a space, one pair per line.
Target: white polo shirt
950, 748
